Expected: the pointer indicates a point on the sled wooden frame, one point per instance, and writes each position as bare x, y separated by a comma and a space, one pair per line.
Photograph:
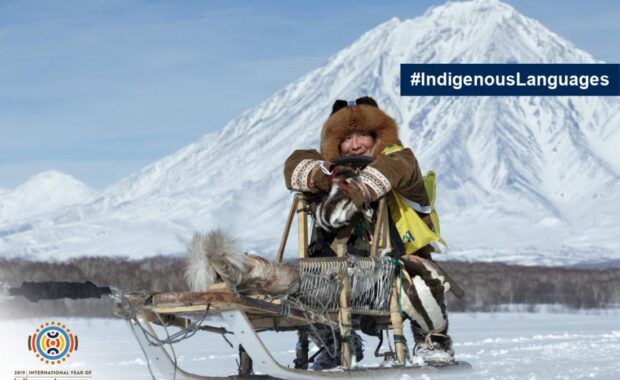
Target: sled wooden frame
380, 240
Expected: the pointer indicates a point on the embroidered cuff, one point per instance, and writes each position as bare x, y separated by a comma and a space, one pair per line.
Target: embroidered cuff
319, 181
300, 179
360, 194
375, 181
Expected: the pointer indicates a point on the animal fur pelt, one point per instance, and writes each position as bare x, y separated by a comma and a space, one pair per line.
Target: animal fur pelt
337, 209
423, 297
215, 254
199, 275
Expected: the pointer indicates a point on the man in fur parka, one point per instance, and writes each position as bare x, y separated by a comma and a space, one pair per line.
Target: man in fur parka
361, 128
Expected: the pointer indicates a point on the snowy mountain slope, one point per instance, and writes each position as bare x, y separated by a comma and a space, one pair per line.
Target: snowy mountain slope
526, 179
44, 193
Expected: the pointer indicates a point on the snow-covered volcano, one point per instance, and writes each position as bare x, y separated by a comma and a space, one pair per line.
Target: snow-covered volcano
525, 179
46, 192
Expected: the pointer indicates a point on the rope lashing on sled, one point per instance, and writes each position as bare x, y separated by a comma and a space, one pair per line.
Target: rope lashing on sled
285, 306
313, 317
146, 356
320, 317
179, 336
403, 340
129, 311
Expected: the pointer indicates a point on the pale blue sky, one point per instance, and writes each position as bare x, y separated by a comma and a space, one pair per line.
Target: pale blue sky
98, 89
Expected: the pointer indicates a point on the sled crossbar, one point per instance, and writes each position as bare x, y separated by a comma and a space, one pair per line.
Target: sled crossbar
264, 314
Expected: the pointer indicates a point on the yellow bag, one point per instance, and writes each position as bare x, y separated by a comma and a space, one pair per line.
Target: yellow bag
429, 185
413, 231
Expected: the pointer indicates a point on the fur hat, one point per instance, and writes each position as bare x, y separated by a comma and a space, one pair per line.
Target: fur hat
361, 115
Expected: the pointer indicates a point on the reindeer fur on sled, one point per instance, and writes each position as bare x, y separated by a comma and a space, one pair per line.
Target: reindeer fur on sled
424, 295
215, 254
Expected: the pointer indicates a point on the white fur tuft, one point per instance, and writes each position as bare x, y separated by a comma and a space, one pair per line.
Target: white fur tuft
198, 274
210, 254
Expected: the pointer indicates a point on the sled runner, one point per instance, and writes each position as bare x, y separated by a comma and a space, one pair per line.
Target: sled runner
238, 324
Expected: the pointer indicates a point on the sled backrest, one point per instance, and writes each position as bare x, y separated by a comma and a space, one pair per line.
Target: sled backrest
300, 206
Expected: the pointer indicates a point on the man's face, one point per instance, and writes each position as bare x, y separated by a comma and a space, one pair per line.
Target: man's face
357, 144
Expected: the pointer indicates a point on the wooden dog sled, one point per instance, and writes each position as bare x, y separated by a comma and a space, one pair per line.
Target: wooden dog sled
245, 315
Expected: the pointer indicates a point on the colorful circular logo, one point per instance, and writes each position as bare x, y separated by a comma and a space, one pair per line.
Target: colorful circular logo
53, 342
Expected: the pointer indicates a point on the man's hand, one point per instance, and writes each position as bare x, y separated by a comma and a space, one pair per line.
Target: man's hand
338, 208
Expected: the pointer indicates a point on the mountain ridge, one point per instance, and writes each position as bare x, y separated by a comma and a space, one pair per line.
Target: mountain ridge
529, 164
45, 192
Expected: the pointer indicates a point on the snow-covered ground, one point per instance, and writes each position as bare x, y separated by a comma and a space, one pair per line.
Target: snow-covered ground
501, 346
